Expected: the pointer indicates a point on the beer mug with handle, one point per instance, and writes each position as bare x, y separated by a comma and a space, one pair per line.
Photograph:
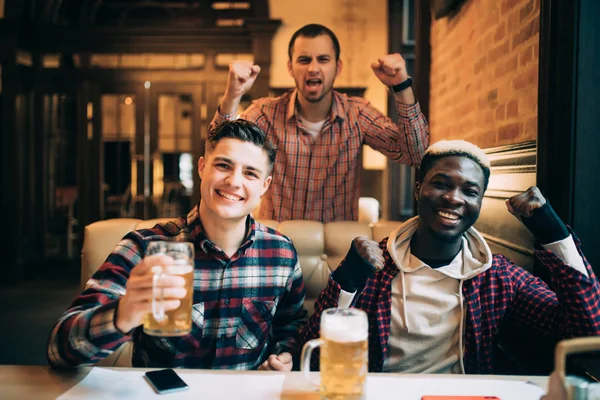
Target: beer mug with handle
176, 322
570, 387
344, 353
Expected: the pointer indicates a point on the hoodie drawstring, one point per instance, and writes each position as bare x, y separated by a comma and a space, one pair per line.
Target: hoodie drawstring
404, 301
461, 328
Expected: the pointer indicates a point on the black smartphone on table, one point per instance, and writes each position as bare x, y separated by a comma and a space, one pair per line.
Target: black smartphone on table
165, 381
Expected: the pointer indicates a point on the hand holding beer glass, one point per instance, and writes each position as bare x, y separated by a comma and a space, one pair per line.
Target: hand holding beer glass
174, 322
159, 291
344, 353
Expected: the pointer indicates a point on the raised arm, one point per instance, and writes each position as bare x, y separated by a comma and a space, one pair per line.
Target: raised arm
363, 259
572, 307
407, 141
242, 75
115, 301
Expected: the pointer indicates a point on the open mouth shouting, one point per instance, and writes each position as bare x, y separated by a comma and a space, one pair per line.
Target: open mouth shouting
314, 84
448, 218
229, 196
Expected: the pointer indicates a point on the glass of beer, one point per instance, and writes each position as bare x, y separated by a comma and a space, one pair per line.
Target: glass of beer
344, 353
176, 322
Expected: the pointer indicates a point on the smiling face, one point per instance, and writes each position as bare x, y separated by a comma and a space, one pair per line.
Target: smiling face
234, 175
449, 197
314, 67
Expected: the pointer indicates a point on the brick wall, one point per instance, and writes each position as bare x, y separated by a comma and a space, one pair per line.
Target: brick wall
484, 73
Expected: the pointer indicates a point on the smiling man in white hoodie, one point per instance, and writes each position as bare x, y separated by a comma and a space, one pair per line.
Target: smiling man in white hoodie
435, 294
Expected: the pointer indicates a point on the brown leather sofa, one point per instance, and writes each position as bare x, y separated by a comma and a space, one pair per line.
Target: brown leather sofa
320, 249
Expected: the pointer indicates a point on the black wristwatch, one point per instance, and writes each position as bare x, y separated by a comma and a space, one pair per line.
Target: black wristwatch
402, 85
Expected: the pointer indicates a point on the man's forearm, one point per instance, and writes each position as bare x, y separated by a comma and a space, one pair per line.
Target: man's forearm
85, 336
403, 142
552, 234
229, 105
406, 96
218, 118
327, 299
353, 271
291, 316
545, 225
251, 114
286, 330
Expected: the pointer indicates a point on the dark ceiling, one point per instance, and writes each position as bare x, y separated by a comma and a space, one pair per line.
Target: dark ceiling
142, 13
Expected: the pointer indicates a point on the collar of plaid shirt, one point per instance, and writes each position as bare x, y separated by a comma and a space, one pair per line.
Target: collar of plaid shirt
337, 107
198, 235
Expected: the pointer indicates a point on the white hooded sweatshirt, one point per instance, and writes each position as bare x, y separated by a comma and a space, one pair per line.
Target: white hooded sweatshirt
427, 320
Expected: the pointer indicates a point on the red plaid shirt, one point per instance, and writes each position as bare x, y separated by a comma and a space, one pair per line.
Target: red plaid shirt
245, 307
318, 179
503, 291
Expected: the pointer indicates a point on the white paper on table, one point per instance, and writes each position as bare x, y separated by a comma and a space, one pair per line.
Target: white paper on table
380, 387
103, 383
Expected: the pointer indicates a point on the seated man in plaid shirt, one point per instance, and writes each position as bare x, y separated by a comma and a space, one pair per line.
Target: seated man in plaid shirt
436, 296
248, 289
320, 132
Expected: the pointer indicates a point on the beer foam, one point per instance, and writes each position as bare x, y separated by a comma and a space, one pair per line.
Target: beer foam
345, 328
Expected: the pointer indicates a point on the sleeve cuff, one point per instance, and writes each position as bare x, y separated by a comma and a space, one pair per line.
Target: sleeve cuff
545, 225
226, 117
102, 323
345, 298
284, 348
566, 250
353, 272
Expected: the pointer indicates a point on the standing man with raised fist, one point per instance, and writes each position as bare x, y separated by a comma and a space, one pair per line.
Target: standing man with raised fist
319, 132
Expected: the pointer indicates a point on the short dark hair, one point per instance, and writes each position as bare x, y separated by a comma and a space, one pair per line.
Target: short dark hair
430, 159
245, 131
312, 31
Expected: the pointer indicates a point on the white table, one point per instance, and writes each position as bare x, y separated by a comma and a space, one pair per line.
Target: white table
41, 382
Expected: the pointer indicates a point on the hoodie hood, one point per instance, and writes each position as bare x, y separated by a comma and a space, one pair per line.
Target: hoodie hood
474, 258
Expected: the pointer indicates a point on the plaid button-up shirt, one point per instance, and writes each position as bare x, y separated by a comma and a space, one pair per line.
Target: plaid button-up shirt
245, 307
318, 179
505, 291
